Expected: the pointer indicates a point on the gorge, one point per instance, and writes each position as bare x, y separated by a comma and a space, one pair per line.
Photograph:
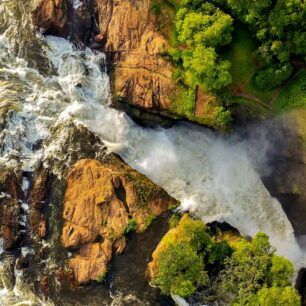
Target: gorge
57, 117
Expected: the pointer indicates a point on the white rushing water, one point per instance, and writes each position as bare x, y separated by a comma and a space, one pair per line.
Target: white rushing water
214, 178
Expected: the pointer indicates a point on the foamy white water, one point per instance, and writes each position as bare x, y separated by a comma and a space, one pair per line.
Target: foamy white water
214, 178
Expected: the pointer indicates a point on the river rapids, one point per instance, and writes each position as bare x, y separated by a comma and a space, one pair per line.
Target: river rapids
46, 81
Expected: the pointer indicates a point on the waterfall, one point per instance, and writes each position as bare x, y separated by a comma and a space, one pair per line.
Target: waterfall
213, 177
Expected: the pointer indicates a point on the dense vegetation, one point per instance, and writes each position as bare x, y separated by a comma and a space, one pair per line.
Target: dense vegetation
225, 268
280, 27
203, 38
201, 29
294, 93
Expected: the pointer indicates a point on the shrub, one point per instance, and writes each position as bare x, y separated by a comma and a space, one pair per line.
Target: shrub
174, 220
100, 278
132, 226
273, 76
276, 296
180, 270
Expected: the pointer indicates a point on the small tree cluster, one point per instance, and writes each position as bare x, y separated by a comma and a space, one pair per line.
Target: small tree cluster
180, 257
201, 29
254, 272
235, 271
280, 26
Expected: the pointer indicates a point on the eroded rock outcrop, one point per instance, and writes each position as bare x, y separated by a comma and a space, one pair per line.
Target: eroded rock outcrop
135, 39
103, 202
9, 206
75, 20
129, 30
130, 34
38, 194
51, 15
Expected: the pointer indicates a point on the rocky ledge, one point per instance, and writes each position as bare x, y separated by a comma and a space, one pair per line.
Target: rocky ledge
103, 203
135, 40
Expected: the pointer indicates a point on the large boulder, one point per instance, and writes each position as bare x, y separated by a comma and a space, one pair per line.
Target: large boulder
103, 202
70, 19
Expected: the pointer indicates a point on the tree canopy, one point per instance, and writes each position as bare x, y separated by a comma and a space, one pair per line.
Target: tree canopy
201, 28
238, 272
280, 26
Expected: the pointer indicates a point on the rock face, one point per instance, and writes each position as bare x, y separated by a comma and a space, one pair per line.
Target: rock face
70, 19
9, 206
82, 205
37, 197
129, 30
103, 202
51, 14
287, 178
135, 39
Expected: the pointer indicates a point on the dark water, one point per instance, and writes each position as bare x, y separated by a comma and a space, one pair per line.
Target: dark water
126, 283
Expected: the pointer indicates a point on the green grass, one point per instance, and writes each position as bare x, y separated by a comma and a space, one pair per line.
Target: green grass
242, 54
293, 95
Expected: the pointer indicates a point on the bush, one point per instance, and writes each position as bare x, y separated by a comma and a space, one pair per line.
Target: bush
276, 296
156, 7
273, 76
174, 220
253, 267
180, 270
100, 278
132, 226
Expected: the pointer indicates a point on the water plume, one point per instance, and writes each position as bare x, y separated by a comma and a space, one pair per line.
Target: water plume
215, 178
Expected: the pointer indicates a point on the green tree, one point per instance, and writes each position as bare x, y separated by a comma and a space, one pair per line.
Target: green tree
275, 296
203, 67
201, 28
280, 26
280, 273
254, 270
246, 270
180, 258
180, 270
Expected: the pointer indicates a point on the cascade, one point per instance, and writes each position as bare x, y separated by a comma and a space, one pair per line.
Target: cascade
213, 177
